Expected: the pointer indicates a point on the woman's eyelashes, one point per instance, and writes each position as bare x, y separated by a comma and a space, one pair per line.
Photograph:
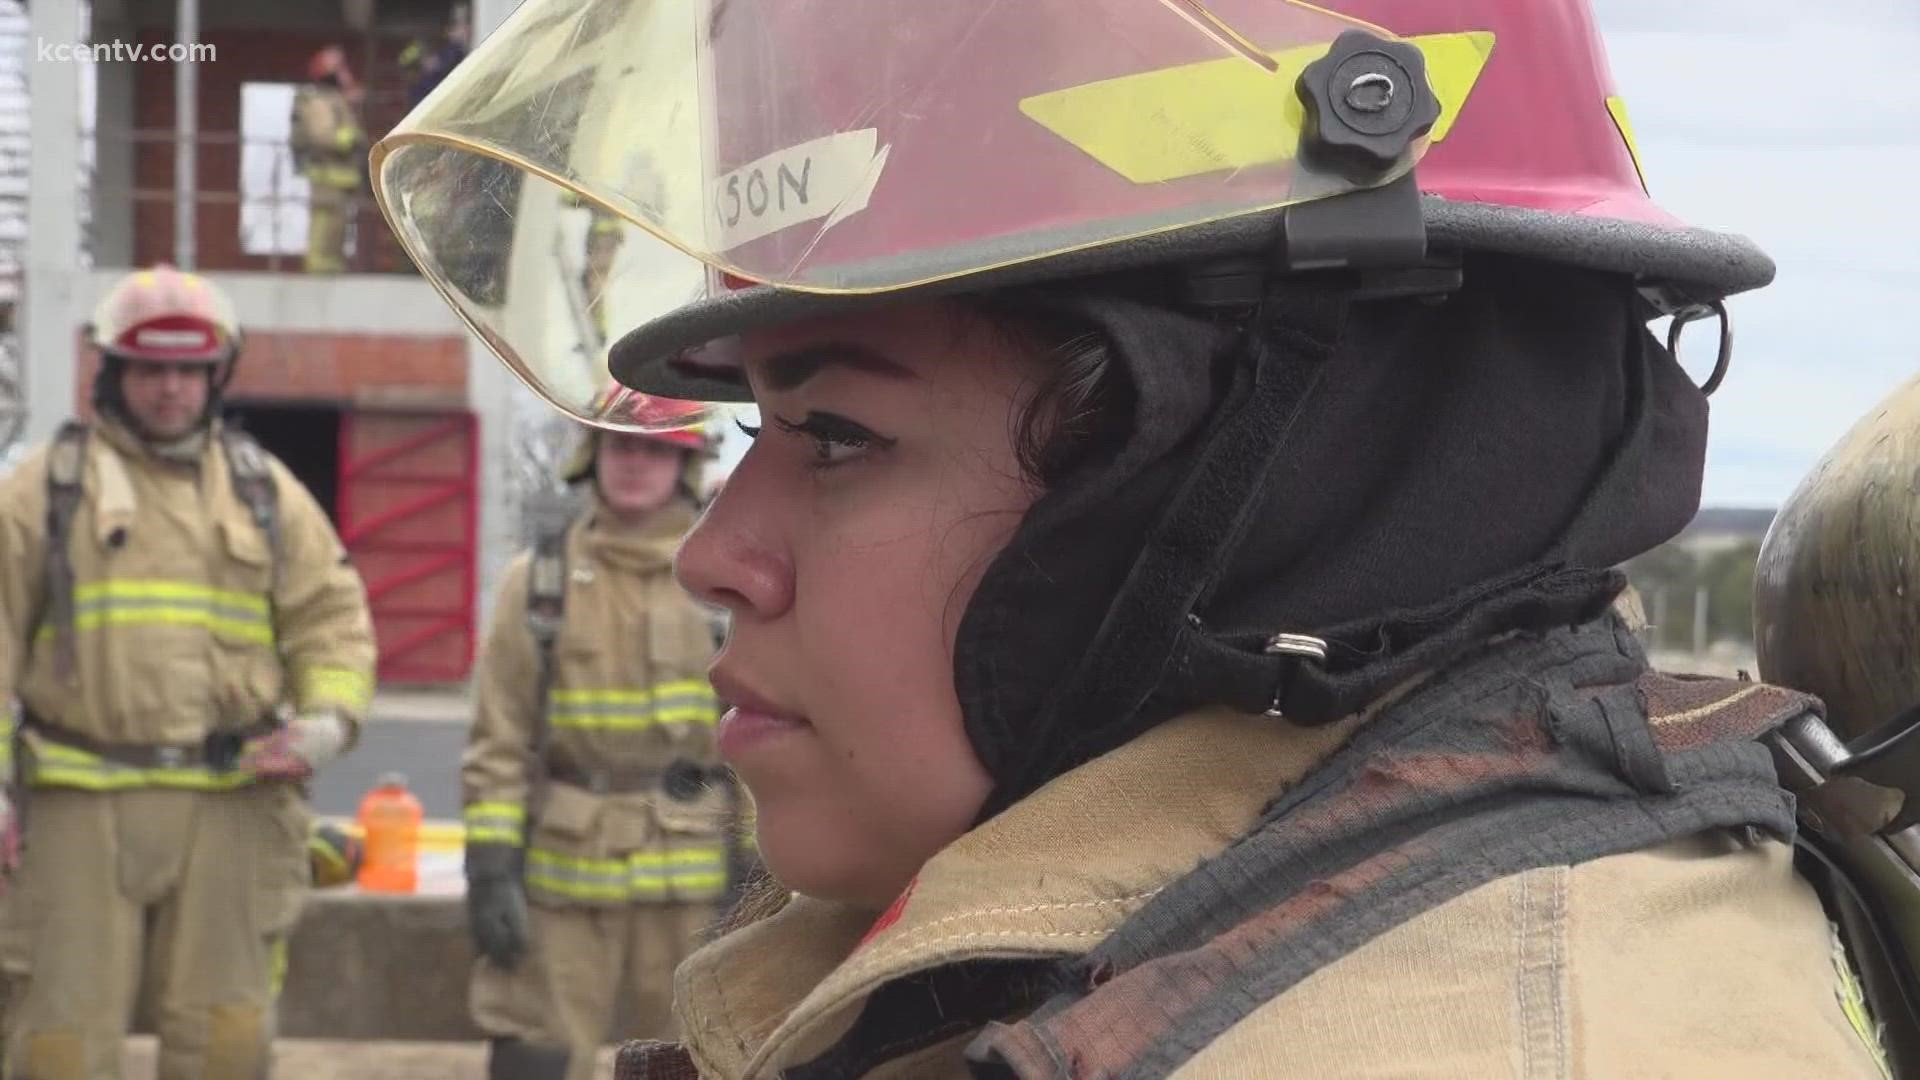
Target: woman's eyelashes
836, 440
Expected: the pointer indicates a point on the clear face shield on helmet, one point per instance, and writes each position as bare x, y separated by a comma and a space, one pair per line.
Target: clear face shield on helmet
598, 164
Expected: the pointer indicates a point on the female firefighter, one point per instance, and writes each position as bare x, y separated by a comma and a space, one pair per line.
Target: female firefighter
594, 830
1171, 581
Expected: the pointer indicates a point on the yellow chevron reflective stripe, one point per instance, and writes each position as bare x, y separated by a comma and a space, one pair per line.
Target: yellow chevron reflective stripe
1617, 108
689, 873
115, 602
1216, 115
495, 823
683, 701
331, 687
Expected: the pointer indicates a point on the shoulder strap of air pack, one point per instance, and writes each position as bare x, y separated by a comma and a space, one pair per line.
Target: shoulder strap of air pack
66, 475
251, 474
546, 610
1547, 751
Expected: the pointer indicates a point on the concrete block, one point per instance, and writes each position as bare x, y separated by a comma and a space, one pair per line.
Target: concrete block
376, 966
372, 966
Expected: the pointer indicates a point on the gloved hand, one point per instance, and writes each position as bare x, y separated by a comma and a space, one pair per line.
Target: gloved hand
296, 751
334, 855
496, 903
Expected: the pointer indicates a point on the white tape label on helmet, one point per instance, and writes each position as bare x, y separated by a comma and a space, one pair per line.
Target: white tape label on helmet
830, 177
155, 338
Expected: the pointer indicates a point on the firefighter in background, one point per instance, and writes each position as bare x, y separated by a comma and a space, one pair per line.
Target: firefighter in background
594, 806
605, 233
188, 645
328, 146
425, 64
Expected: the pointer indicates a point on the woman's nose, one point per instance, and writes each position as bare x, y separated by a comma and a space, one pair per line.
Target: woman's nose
734, 557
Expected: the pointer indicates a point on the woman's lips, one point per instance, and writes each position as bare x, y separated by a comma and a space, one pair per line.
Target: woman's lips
753, 718
742, 729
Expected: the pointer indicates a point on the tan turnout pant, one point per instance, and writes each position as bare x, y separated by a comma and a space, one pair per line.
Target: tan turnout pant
563, 991
189, 895
327, 209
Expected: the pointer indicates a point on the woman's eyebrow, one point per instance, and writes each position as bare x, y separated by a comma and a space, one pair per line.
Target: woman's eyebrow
789, 370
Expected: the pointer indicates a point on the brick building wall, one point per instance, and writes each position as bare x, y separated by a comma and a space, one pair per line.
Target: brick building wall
345, 369
246, 56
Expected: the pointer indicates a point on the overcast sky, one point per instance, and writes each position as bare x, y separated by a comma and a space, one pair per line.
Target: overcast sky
1797, 124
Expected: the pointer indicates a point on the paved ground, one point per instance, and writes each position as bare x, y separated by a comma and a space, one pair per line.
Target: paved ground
319, 1059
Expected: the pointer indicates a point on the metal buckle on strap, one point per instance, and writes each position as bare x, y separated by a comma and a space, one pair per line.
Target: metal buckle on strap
1303, 646
1853, 794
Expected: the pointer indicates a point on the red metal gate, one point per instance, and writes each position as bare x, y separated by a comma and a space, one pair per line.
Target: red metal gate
408, 509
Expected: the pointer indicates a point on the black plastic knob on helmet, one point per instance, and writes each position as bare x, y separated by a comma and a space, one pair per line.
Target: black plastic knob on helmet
1367, 102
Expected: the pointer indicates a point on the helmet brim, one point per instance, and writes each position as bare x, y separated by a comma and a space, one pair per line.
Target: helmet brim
1679, 267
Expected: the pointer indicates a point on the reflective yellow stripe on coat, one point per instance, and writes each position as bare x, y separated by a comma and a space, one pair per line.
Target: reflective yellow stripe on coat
496, 823
342, 177
65, 766
690, 873
335, 688
685, 701
238, 616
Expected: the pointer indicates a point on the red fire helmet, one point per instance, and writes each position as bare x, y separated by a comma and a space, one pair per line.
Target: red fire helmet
773, 159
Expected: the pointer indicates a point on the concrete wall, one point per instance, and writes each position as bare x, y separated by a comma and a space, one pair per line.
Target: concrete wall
53, 222
370, 967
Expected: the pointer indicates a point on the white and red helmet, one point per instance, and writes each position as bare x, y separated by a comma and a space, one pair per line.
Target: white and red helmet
164, 315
